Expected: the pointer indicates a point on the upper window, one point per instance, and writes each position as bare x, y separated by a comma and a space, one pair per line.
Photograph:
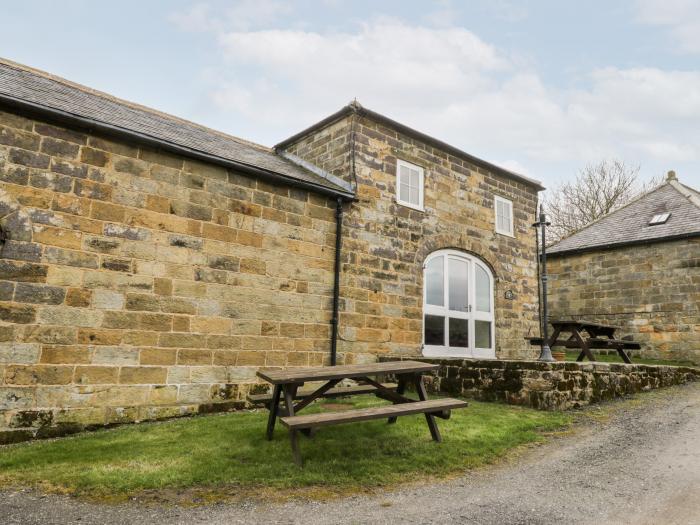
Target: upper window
504, 216
409, 185
659, 218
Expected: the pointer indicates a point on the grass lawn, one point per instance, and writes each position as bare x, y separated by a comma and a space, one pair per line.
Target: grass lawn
614, 358
229, 453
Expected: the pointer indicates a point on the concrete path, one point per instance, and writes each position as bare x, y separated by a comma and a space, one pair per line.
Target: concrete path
641, 467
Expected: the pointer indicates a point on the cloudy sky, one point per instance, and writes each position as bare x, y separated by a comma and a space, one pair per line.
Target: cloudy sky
541, 87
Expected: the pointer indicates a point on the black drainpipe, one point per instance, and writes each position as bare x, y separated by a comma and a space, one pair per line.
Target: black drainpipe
336, 278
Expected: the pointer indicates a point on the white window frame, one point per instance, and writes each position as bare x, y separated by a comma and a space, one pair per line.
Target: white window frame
660, 218
509, 203
472, 315
421, 185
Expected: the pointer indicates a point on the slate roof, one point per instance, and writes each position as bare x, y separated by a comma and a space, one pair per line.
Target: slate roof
630, 224
24, 87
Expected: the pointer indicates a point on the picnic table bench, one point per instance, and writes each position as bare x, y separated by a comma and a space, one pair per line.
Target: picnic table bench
286, 388
587, 336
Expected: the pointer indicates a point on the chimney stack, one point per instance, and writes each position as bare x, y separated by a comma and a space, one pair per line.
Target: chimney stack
671, 175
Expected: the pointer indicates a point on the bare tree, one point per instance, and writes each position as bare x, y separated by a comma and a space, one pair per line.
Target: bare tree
597, 190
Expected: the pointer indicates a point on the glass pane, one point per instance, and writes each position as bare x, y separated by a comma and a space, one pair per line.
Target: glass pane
414, 196
482, 334
414, 178
500, 214
503, 216
434, 330
483, 289
404, 193
457, 273
434, 282
459, 333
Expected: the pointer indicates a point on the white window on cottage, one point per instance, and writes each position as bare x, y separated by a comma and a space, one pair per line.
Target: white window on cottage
409, 185
458, 313
504, 216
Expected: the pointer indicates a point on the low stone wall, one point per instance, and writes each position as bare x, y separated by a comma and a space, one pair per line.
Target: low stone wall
550, 386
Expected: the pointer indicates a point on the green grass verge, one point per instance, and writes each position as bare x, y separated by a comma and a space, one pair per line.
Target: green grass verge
614, 358
230, 450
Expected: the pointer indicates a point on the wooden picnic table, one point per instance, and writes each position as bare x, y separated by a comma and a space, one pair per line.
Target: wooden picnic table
587, 335
286, 387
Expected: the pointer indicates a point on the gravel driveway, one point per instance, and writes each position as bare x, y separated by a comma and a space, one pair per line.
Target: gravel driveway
642, 466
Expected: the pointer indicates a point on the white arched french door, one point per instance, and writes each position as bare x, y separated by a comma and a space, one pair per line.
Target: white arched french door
458, 310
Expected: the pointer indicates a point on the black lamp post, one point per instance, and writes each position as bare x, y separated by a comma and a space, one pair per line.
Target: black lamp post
545, 352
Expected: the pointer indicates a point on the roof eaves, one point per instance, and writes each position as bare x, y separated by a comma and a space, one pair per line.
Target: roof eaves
620, 244
316, 170
355, 107
95, 125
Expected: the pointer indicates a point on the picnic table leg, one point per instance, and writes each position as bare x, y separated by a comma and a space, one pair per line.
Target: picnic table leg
623, 355
554, 336
400, 389
583, 345
582, 354
610, 334
430, 419
274, 409
289, 392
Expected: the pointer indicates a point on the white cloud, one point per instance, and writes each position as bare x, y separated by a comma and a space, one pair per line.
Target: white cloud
384, 42
240, 15
451, 84
384, 61
682, 17
198, 18
246, 14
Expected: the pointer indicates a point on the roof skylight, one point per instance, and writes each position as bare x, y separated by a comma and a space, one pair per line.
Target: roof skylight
659, 218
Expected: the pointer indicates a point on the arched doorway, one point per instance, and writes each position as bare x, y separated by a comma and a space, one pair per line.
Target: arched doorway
458, 310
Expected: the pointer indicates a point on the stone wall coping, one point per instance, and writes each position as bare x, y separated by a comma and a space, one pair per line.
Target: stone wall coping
549, 386
532, 364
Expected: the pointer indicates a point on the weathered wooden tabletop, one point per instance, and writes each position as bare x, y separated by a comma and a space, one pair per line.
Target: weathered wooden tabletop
325, 373
583, 324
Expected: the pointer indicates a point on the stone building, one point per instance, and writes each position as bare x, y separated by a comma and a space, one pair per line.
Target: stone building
639, 268
150, 265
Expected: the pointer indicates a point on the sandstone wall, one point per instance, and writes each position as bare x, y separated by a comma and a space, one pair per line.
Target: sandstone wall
385, 244
651, 291
139, 285
551, 386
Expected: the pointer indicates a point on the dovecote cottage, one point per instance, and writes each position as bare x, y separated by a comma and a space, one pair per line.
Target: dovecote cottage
639, 268
149, 266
